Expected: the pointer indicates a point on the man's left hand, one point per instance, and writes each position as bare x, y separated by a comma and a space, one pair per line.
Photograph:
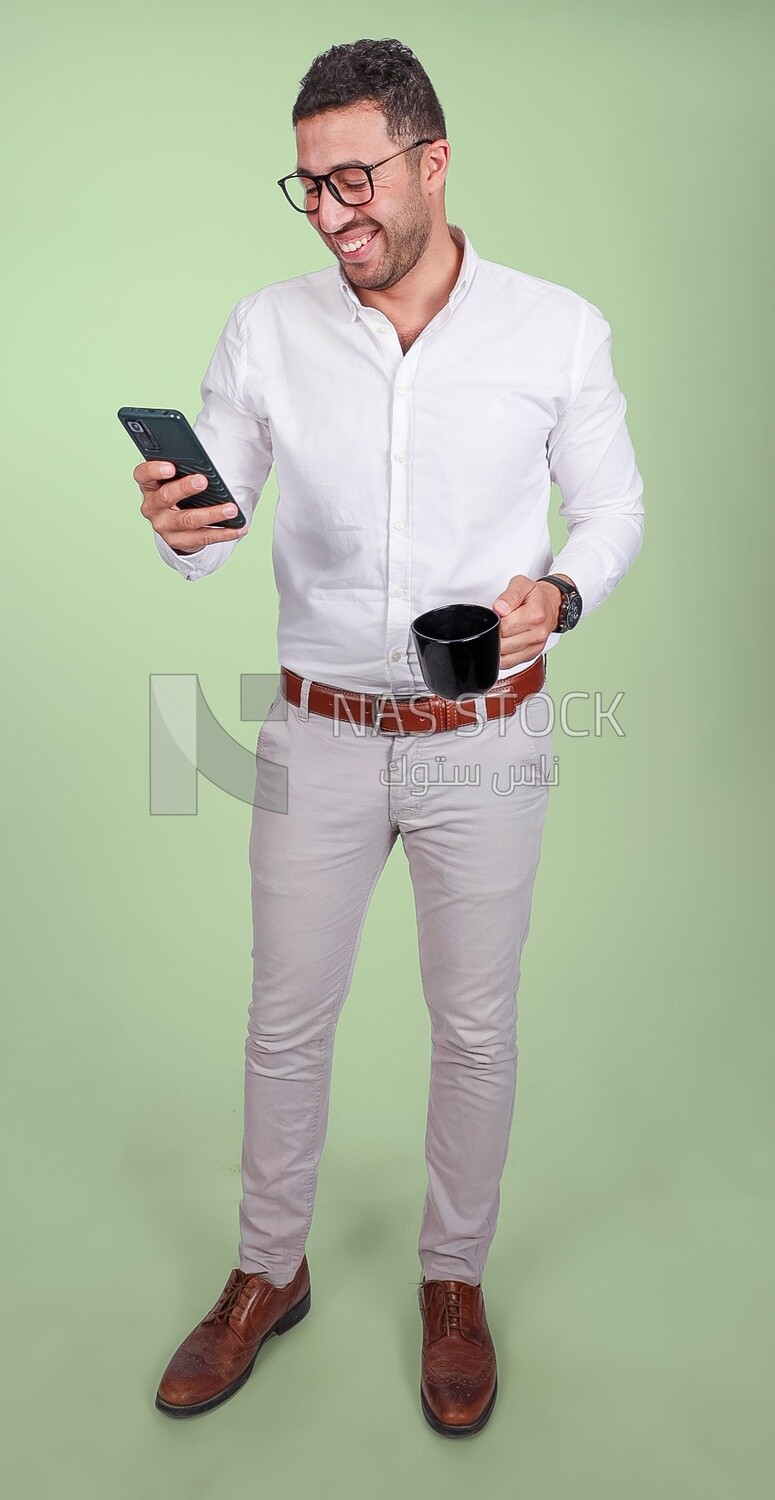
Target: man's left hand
529, 612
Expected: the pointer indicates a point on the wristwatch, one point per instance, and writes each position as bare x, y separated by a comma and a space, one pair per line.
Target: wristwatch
570, 603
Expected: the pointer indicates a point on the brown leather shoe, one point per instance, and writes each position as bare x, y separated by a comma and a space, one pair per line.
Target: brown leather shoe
459, 1380
217, 1358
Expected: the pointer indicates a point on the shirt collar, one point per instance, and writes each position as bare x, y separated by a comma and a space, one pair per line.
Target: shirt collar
465, 276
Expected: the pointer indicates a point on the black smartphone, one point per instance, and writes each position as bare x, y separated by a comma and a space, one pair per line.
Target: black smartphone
169, 437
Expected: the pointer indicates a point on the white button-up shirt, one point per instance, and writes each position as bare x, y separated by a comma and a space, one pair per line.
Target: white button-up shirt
408, 481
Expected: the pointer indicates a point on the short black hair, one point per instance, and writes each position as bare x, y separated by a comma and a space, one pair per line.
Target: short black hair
383, 72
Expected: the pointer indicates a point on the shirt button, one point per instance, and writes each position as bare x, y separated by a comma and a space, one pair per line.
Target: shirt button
400, 458
399, 593
399, 525
396, 655
401, 390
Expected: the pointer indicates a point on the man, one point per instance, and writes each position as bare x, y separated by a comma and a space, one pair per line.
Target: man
417, 402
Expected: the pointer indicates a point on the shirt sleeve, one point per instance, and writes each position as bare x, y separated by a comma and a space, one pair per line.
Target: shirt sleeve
591, 460
236, 438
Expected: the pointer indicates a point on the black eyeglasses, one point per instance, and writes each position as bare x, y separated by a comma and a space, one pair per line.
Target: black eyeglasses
349, 185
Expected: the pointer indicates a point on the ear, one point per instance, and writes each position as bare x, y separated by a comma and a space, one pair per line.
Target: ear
435, 163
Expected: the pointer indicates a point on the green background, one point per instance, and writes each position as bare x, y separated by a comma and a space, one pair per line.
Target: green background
617, 148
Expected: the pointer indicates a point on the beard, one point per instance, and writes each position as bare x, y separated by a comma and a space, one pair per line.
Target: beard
404, 243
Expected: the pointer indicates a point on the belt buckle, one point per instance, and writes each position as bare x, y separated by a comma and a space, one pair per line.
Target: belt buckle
377, 711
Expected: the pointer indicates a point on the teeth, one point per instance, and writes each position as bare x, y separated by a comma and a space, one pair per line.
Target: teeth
356, 244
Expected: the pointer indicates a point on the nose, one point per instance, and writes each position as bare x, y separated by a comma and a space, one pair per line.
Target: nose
333, 216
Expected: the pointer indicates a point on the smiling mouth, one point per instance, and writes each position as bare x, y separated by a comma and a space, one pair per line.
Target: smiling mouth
356, 243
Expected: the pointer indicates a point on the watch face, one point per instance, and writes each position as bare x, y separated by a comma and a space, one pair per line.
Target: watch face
574, 613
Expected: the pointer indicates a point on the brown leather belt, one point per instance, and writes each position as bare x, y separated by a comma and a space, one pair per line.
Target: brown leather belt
419, 714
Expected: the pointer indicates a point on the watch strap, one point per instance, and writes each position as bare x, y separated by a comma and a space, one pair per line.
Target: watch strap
568, 591
562, 583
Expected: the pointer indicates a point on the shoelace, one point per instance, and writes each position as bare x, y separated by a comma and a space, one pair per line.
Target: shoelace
451, 1309
227, 1302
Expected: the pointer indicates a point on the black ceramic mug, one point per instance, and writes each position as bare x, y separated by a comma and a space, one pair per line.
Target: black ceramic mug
459, 648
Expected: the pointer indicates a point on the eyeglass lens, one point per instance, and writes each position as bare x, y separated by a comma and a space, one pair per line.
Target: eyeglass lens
351, 182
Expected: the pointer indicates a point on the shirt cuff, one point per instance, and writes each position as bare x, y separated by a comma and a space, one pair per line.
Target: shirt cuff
585, 572
586, 575
192, 565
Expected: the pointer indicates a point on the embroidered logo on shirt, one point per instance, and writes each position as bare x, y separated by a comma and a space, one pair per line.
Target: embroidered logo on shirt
495, 408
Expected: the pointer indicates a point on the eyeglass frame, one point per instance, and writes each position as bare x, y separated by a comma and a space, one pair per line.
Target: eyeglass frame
325, 177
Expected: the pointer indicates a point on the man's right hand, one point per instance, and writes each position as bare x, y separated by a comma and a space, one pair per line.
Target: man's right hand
183, 530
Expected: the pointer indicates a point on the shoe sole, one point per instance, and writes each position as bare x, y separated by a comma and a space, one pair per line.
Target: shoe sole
288, 1320
454, 1429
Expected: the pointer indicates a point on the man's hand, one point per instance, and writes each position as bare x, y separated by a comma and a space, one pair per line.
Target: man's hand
529, 612
183, 530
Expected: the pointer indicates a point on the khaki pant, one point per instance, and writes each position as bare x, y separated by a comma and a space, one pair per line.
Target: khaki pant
470, 810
